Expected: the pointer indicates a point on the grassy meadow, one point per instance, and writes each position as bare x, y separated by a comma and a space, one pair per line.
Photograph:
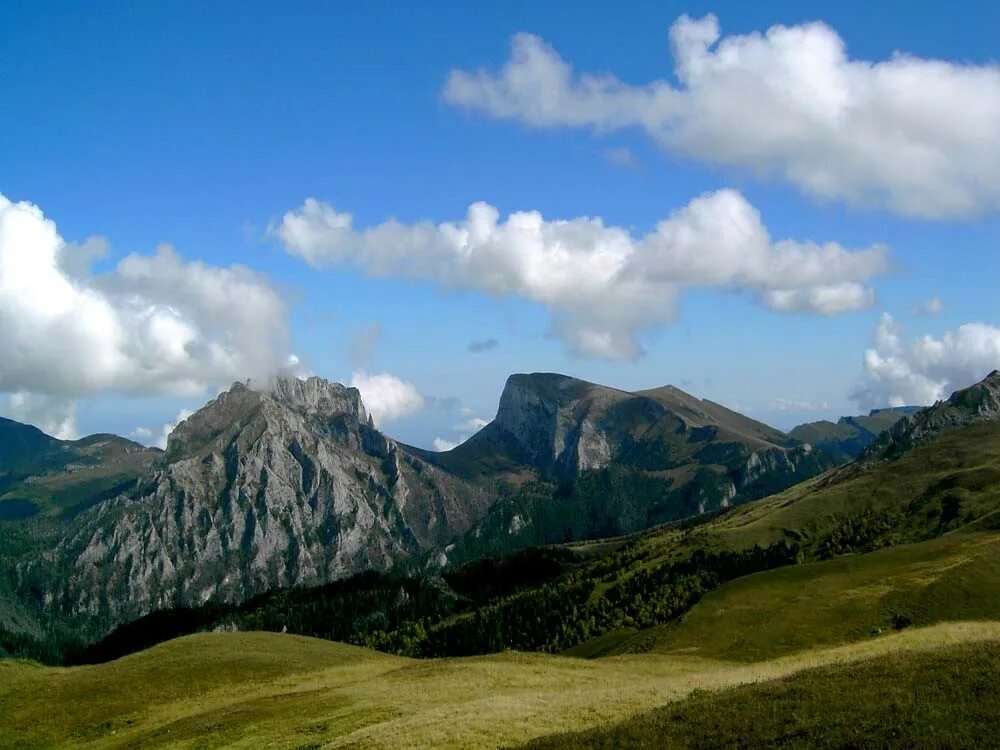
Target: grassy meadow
257, 689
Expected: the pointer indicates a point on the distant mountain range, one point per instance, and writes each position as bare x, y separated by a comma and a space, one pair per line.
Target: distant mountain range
905, 537
846, 438
292, 484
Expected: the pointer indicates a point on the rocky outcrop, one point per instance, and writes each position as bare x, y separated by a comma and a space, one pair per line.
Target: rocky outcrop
261, 488
555, 422
973, 405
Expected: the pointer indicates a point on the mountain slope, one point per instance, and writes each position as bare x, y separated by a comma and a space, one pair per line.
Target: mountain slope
558, 426
291, 485
583, 460
258, 489
940, 698
977, 404
849, 436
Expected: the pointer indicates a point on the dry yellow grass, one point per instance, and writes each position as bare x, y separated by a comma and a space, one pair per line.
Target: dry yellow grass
254, 690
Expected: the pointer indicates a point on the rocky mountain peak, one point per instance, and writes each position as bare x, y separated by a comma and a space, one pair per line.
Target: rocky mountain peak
973, 405
317, 397
314, 401
271, 486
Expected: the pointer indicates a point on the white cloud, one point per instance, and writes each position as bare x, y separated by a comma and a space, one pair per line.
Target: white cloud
387, 397
928, 368
916, 135
159, 437
601, 284
441, 445
473, 424
931, 306
53, 415
155, 324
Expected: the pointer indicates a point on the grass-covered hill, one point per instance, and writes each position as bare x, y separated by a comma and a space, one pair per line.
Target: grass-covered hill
60, 478
255, 690
942, 698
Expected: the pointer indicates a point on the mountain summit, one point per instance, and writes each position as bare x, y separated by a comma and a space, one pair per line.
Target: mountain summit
586, 460
285, 485
559, 426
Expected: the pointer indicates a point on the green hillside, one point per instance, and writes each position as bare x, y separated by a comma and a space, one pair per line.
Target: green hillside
268, 690
937, 699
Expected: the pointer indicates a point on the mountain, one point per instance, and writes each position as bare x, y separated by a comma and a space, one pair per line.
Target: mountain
261, 488
910, 540
41, 474
886, 573
558, 426
584, 460
846, 438
977, 404
290, 484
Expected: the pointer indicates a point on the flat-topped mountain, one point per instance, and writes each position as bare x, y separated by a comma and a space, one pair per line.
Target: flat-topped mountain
619, 461
560, 426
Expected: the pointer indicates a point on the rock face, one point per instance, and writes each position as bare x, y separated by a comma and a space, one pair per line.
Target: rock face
581, 461
291, 484
260, 488
973, 405
561, 426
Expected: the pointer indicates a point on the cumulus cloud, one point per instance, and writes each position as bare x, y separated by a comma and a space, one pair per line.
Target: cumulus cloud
601, 284
387, 397
53, 415
155, 324
472, 424
142, 434
483, 345
441, 445
926, 369
917, 136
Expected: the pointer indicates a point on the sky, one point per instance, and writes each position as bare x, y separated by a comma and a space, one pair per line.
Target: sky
790, 208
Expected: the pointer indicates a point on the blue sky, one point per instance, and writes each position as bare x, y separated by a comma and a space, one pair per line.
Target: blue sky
151, 123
